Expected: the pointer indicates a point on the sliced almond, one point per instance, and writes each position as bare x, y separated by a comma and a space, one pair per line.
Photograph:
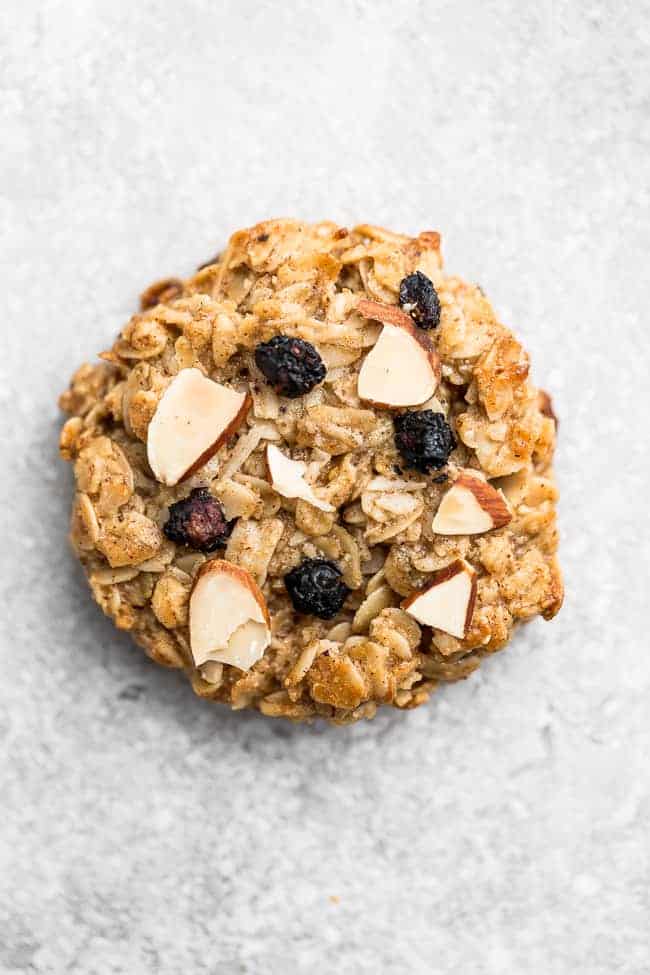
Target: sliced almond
194, 417
386, 314
402, 368
288, 478
447, 602
229, 618
471, 506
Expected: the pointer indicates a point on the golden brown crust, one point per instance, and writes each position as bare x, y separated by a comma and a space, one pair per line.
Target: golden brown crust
546, 405
330, 286
161, 291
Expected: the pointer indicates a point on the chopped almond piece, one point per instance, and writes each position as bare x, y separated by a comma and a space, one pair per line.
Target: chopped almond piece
471, 506
447, 602
229, 618
402, 368
288, 478
194, 417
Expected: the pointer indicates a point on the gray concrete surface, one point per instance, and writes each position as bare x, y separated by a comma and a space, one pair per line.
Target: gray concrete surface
503, 830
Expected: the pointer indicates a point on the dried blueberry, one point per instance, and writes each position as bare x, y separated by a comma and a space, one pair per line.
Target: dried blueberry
292, 366
198, 521
419, 298
315, 587
424, 439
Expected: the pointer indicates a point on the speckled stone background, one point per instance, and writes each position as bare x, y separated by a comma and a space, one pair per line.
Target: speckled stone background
503, 830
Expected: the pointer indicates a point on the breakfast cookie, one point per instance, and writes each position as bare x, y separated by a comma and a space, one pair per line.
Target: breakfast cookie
315, 475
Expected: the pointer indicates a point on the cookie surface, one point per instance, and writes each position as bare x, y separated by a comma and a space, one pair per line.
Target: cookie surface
315, 475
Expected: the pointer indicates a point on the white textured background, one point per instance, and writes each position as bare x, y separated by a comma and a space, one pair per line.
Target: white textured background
504, 829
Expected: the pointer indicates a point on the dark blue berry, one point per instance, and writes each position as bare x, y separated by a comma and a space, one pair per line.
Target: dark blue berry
424, 439
419, 298
198, 521
292, 366
316, 588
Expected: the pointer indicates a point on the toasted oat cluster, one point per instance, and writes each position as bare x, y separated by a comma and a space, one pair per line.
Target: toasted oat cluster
315, 476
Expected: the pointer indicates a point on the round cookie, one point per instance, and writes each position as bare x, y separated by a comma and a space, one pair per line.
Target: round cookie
315, 475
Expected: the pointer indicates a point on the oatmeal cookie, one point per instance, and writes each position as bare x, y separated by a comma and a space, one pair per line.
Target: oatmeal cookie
315, 476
